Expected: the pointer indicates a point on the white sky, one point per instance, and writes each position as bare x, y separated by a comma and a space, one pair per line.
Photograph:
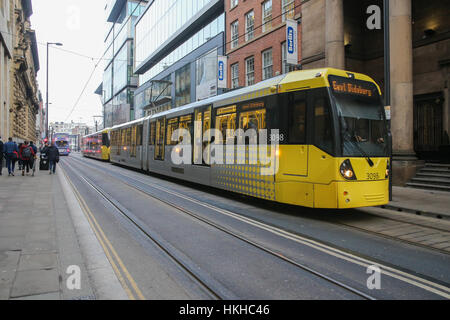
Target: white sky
80, 26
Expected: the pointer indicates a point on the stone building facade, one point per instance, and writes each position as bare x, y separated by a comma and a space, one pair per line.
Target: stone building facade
335, 33
24, 102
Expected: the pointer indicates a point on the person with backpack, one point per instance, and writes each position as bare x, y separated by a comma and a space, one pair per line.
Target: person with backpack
52, 153
27, 155
1, 156
33, 160
11, 152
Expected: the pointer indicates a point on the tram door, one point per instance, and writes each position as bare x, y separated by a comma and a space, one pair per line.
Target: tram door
202, 126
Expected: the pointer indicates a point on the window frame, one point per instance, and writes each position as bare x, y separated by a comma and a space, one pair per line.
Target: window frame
234, 36
266, 18
247, 32
284, 5
234, 75
264, 66
247, 83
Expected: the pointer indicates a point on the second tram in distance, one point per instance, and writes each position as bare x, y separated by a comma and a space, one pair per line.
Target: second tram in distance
96, 145
332, 135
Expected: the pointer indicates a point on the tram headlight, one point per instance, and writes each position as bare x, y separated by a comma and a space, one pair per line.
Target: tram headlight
347, 171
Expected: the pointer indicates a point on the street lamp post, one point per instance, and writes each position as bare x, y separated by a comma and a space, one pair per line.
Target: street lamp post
46, 104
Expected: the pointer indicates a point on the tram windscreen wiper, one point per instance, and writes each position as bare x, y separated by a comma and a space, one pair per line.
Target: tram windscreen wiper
355, 143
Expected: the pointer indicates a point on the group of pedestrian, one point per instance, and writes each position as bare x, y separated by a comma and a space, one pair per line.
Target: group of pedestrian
26, 154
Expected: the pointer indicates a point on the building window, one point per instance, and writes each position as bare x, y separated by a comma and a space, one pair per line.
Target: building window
267, 61
249, 71
267, 15
288, 9
235, 75
234, 34
285, 67
183, 86
234, 3
249, 25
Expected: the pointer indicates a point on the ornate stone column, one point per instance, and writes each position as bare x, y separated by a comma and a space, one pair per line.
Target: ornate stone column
334, 34
402, 109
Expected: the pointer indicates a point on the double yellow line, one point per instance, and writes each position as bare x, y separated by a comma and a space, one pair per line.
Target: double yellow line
125, 278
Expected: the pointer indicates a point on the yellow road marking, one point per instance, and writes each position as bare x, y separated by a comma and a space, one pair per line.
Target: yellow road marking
108, 247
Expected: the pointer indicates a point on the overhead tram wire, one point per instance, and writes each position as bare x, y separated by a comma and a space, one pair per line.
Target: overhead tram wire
102, 57
107, 59
98, 62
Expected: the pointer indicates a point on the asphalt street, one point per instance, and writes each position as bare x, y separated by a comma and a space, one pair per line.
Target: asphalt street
243, 249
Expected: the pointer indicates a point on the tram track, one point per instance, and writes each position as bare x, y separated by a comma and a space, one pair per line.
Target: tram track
361, 260
211, 289
365, 229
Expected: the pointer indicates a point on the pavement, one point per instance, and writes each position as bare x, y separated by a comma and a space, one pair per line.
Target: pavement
46, 239
47, 249
422, 202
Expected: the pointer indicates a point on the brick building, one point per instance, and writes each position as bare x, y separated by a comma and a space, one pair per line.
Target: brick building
256, 39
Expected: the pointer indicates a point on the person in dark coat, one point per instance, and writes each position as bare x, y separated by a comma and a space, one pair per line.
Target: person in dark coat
52, 154
1, 156
11, 152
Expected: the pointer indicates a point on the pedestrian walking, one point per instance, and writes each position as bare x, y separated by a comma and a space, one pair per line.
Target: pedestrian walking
10, 150
52, 154
33, 160
19, 160
1, 156
26, 155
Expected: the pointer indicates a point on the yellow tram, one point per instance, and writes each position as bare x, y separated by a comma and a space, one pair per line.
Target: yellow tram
96, 145
330, 146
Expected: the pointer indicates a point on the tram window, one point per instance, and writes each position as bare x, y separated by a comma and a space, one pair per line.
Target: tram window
133, 141
297, 118
323, 136
186, 124
252, 120
224, 124
172, 125
123, 134
160, 132
152, 135
128, 136
139, 137
202, 128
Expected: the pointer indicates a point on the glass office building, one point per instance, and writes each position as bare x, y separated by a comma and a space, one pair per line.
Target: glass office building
177, 41
119, 82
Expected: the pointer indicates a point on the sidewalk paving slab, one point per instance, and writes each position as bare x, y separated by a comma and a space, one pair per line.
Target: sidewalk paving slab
37, 241
421, 201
